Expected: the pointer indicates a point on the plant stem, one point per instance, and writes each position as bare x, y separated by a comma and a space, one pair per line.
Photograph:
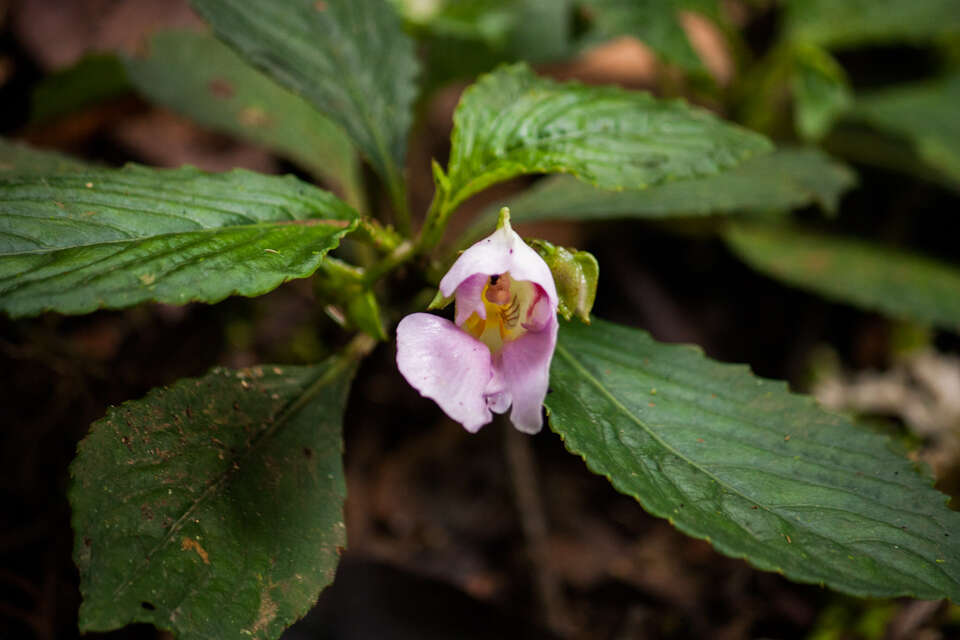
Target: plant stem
434, 224
404, 251
401, 210
533, 521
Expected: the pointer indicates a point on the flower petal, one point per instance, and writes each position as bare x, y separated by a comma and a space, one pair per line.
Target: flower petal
470, 298
496, 395
540, 313
446, 364
501, 251
525, 366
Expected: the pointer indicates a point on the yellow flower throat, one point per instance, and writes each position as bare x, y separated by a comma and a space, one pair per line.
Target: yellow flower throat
506, 302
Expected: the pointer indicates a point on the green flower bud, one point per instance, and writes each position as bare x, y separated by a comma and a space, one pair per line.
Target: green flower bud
575, 273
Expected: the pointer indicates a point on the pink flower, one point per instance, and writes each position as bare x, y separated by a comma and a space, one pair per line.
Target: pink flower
498, 351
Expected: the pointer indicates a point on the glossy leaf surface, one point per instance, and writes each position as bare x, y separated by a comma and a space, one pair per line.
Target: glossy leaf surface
761, 473
512, 122
76, 242
350, 58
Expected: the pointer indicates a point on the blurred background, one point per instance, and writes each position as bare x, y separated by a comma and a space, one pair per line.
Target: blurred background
437, 545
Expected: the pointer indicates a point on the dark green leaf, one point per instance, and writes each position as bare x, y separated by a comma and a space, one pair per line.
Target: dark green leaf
350, 58
761, 473
925, 115
543, 31
820, 89
226, 94
512, 122
786, 179
19, 159
95, 78
528, 30
213, 508
490, 21
856, 22
867, 275
77, 242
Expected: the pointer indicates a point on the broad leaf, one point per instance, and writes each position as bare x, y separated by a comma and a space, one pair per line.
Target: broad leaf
213, 508
761, 473
226, 94
350, 58
654, 22
20, 159
867, 275
786, 179
512, 122
925, 115
857, 22
76, 242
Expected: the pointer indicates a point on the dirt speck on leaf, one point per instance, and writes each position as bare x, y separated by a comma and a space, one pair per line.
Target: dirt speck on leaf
254, 117
220, 88
189, 543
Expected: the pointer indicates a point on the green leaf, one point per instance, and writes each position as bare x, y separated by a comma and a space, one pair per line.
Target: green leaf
654, 22
535, 31
490, 21
544, 31
821, 91
350, 58
112, 238
512, 122
870, 276
350, 300
20, 159
226, 94
213, 508
786, 179
924, 114
95, 78
858, 22
761, 473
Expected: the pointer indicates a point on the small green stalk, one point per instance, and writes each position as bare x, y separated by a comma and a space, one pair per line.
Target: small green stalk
437, 215
398, 198
394, 259
383, 238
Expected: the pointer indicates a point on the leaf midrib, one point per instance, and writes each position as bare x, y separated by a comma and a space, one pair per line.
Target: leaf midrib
355, 93
588, 375
208, 230
312, 389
